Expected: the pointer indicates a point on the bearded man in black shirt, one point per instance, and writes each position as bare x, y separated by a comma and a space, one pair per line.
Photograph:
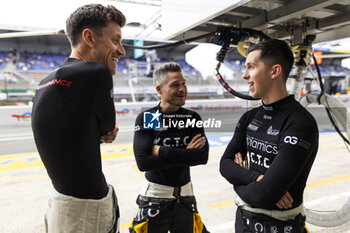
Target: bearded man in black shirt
73, 113
165, 147
280, 139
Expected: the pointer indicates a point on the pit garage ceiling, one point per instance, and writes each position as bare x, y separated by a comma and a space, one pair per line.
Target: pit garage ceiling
160, 20
283, 19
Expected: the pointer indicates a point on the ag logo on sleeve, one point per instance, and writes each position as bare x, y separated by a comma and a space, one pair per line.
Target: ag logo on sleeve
291, 140
151, 120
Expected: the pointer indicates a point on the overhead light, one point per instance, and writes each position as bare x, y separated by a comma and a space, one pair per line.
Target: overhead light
27, 34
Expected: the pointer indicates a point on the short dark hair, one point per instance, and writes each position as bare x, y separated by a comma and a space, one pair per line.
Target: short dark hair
161, 71
93, 16
275, 52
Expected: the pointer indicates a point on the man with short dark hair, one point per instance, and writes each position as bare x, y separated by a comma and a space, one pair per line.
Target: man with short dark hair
73, 113
165, 147
279, 140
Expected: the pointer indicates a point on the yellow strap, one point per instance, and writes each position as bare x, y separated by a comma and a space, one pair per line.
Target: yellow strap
197, 223
307, 230
141, 227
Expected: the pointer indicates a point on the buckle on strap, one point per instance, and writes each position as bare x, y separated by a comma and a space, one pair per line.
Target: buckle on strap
177, 191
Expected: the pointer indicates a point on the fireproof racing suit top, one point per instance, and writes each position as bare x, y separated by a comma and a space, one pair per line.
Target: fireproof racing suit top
73, 107
172, 165
281, 140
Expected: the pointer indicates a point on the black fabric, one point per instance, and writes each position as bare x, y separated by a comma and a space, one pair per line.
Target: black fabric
72, 108
163, 215
172, 166
247, 222
281, 141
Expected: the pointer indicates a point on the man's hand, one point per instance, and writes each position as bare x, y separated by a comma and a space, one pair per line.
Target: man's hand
110, 136
197, 142
155, 150
285, 202
244, 163
259, 177
239, 160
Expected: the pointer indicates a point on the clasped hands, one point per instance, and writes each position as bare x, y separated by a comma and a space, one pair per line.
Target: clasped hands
197, 141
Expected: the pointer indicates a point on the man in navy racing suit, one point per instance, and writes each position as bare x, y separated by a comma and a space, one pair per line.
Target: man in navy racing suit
280, 141
165, 147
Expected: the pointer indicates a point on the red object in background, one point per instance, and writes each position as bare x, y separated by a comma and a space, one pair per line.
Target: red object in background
318, 56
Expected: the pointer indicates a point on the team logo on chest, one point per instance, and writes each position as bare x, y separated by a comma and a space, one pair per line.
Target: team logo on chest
272, 131
254, 125
267, 117
172, 141
261, 145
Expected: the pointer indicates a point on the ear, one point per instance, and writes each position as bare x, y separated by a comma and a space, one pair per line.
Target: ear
88, 37
276, 71
159, 89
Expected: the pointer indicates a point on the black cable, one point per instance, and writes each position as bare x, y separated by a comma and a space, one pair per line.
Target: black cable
161, 46
230, 90
225, 36
318, 74
328, 111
